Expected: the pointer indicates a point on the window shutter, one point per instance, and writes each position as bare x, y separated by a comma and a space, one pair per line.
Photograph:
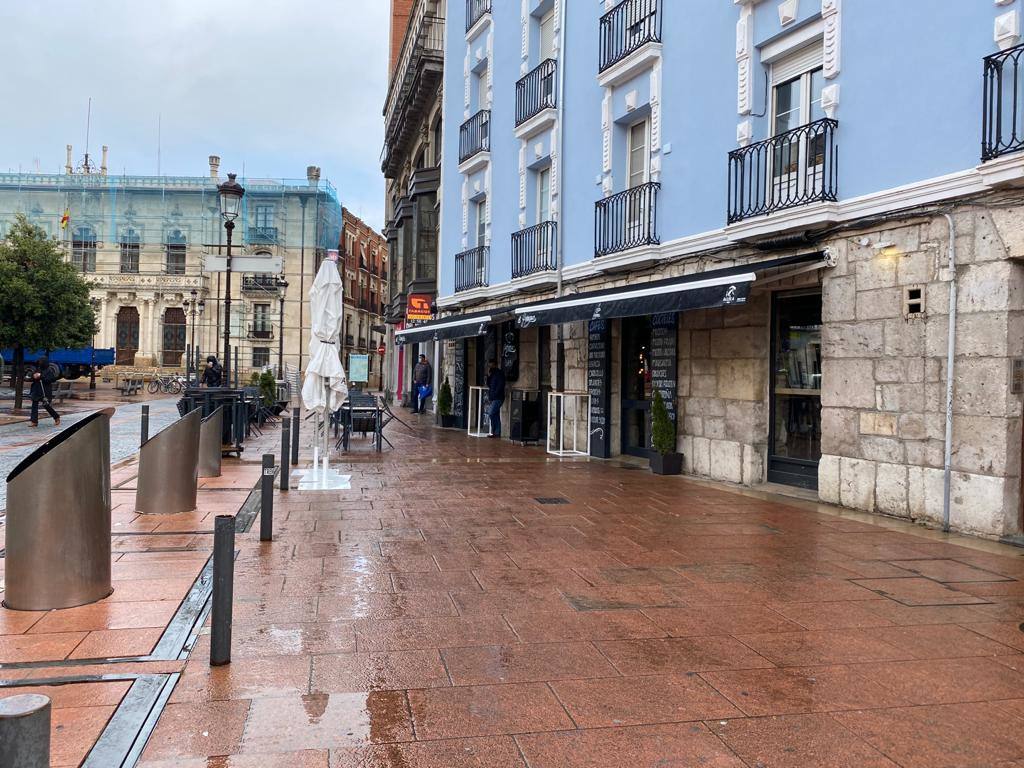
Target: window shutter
795, 64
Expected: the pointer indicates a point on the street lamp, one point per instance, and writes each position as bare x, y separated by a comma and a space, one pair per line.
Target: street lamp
192, 365
282, 286
94, 303
231, 193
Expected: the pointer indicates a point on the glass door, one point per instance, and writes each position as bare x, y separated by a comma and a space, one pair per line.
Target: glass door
637, 390
794, 446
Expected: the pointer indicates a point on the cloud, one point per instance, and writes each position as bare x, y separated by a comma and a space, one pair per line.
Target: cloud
269, 85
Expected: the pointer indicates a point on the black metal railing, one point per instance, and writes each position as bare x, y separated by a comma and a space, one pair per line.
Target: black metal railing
625, 28
1002, 117
534, 249
475, 135
261, 331
795, 168
535, 91
476, 10
262, 235
627, 220
471, 268
259, 283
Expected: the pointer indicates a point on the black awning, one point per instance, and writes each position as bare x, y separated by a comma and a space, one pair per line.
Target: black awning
454, 327
703, 290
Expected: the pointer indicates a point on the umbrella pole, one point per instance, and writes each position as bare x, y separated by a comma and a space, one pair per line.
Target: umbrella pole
327, 410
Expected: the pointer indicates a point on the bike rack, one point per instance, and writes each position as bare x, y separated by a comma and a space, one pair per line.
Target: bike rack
169, 468
58, 520
210, 432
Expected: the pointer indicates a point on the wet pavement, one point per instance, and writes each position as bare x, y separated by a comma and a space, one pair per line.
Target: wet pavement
470, 603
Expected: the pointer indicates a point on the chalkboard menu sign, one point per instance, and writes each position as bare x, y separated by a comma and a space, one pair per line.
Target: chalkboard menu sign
664, 338
599, 374
459, 384
510, 351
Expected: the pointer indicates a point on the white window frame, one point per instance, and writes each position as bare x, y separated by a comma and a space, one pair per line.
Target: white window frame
645, 154
481, 222
545, 21
544, 194
797, 66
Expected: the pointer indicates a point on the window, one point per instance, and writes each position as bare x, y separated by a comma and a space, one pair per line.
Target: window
130, 245
176, 247
797, 157
83, 249
637, 155
481, 89
264, 216
261, 357
481, 223
547, 36
261, 318
543, 195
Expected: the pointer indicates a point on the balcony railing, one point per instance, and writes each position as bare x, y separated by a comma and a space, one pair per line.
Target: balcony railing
259, 283
627, 27
535, 91
261, 331
795, 168
476, 10
627, 220
264, 235
534, 249
471, 268
1002, 117
475, 135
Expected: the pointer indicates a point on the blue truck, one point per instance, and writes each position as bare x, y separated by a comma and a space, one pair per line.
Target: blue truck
73, 363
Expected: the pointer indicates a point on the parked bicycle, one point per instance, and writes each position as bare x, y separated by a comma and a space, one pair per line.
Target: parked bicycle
168, 385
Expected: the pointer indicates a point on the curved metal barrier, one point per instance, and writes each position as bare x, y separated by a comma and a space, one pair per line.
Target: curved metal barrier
58, 520
210, 432
169, 468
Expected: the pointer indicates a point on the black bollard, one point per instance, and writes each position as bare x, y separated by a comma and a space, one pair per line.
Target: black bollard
286, 431
223, 589
295, 437
267, 499
145, 424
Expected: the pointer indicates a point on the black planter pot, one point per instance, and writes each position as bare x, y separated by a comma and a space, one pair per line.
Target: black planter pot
448, 422
667, 464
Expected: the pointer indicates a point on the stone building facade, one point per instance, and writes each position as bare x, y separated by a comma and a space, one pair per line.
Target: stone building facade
365, 260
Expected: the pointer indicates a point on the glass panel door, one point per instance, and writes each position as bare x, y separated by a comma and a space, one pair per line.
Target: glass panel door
637, 390
795, 441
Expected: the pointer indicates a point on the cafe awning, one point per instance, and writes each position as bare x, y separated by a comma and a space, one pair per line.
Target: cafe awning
454, 327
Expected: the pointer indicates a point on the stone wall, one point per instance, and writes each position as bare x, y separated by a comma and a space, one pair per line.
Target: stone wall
883, 414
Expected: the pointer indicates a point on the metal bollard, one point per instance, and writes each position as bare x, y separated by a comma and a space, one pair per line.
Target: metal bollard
145, 424
286, 430
223, 589
25, 731
295, 437
267, 499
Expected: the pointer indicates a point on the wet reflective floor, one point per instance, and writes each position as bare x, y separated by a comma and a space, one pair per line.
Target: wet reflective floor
445, 613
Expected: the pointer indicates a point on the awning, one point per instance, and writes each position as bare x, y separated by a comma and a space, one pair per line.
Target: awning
703, 290
456, 327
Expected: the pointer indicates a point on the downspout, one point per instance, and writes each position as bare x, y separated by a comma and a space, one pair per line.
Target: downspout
559, 236
950, 356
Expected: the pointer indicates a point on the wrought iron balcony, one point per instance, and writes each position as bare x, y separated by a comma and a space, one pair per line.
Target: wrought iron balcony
627, 220
261, 331
795, 168
1002, 117
259, 284
535, 91
475, 135
476, 10
534, 249
471, 268
262, 235
627, 27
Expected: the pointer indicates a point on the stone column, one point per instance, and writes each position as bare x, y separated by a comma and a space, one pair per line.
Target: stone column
104, 323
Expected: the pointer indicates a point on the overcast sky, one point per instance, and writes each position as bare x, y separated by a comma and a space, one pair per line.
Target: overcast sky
269, 85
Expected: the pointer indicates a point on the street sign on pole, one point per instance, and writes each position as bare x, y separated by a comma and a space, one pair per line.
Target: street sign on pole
266, 264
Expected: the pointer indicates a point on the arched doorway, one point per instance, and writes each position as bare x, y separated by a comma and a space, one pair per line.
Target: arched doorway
173, 337
127, 340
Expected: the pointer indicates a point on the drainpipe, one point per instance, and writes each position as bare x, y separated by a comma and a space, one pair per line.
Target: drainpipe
560, 238
950, 353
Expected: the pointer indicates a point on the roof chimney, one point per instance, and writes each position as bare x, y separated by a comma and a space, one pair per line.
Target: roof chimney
68, 168
312, 174
214, 166
103, 162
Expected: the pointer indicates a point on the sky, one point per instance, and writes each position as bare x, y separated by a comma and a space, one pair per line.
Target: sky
271, 86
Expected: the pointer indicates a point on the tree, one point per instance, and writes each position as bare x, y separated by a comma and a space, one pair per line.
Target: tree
44, 301
663, 431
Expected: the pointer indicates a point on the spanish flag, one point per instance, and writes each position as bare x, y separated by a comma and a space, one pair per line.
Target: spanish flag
65, 219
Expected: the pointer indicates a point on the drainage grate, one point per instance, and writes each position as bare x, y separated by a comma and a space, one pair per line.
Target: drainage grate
551, 500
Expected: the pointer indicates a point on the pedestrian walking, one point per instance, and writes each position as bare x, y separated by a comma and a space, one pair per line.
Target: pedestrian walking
495, 396
213, 373
42, 391
422, 375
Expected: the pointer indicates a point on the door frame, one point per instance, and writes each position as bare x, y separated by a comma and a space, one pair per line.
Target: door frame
628, 404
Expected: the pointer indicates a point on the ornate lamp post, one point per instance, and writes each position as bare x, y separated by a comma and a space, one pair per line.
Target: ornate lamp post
282, 286
196, 307
231, 193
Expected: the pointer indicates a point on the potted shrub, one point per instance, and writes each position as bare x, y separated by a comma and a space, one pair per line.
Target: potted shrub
664, 459
444, 405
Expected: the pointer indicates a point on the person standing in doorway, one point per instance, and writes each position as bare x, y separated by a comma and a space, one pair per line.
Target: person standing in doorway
42, 391
422, 375
495, 396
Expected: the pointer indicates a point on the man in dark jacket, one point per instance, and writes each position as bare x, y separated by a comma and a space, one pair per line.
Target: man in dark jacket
422, 375
212, 373
42, 391
495, 396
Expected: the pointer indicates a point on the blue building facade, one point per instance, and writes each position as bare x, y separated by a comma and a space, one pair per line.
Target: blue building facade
820, 198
